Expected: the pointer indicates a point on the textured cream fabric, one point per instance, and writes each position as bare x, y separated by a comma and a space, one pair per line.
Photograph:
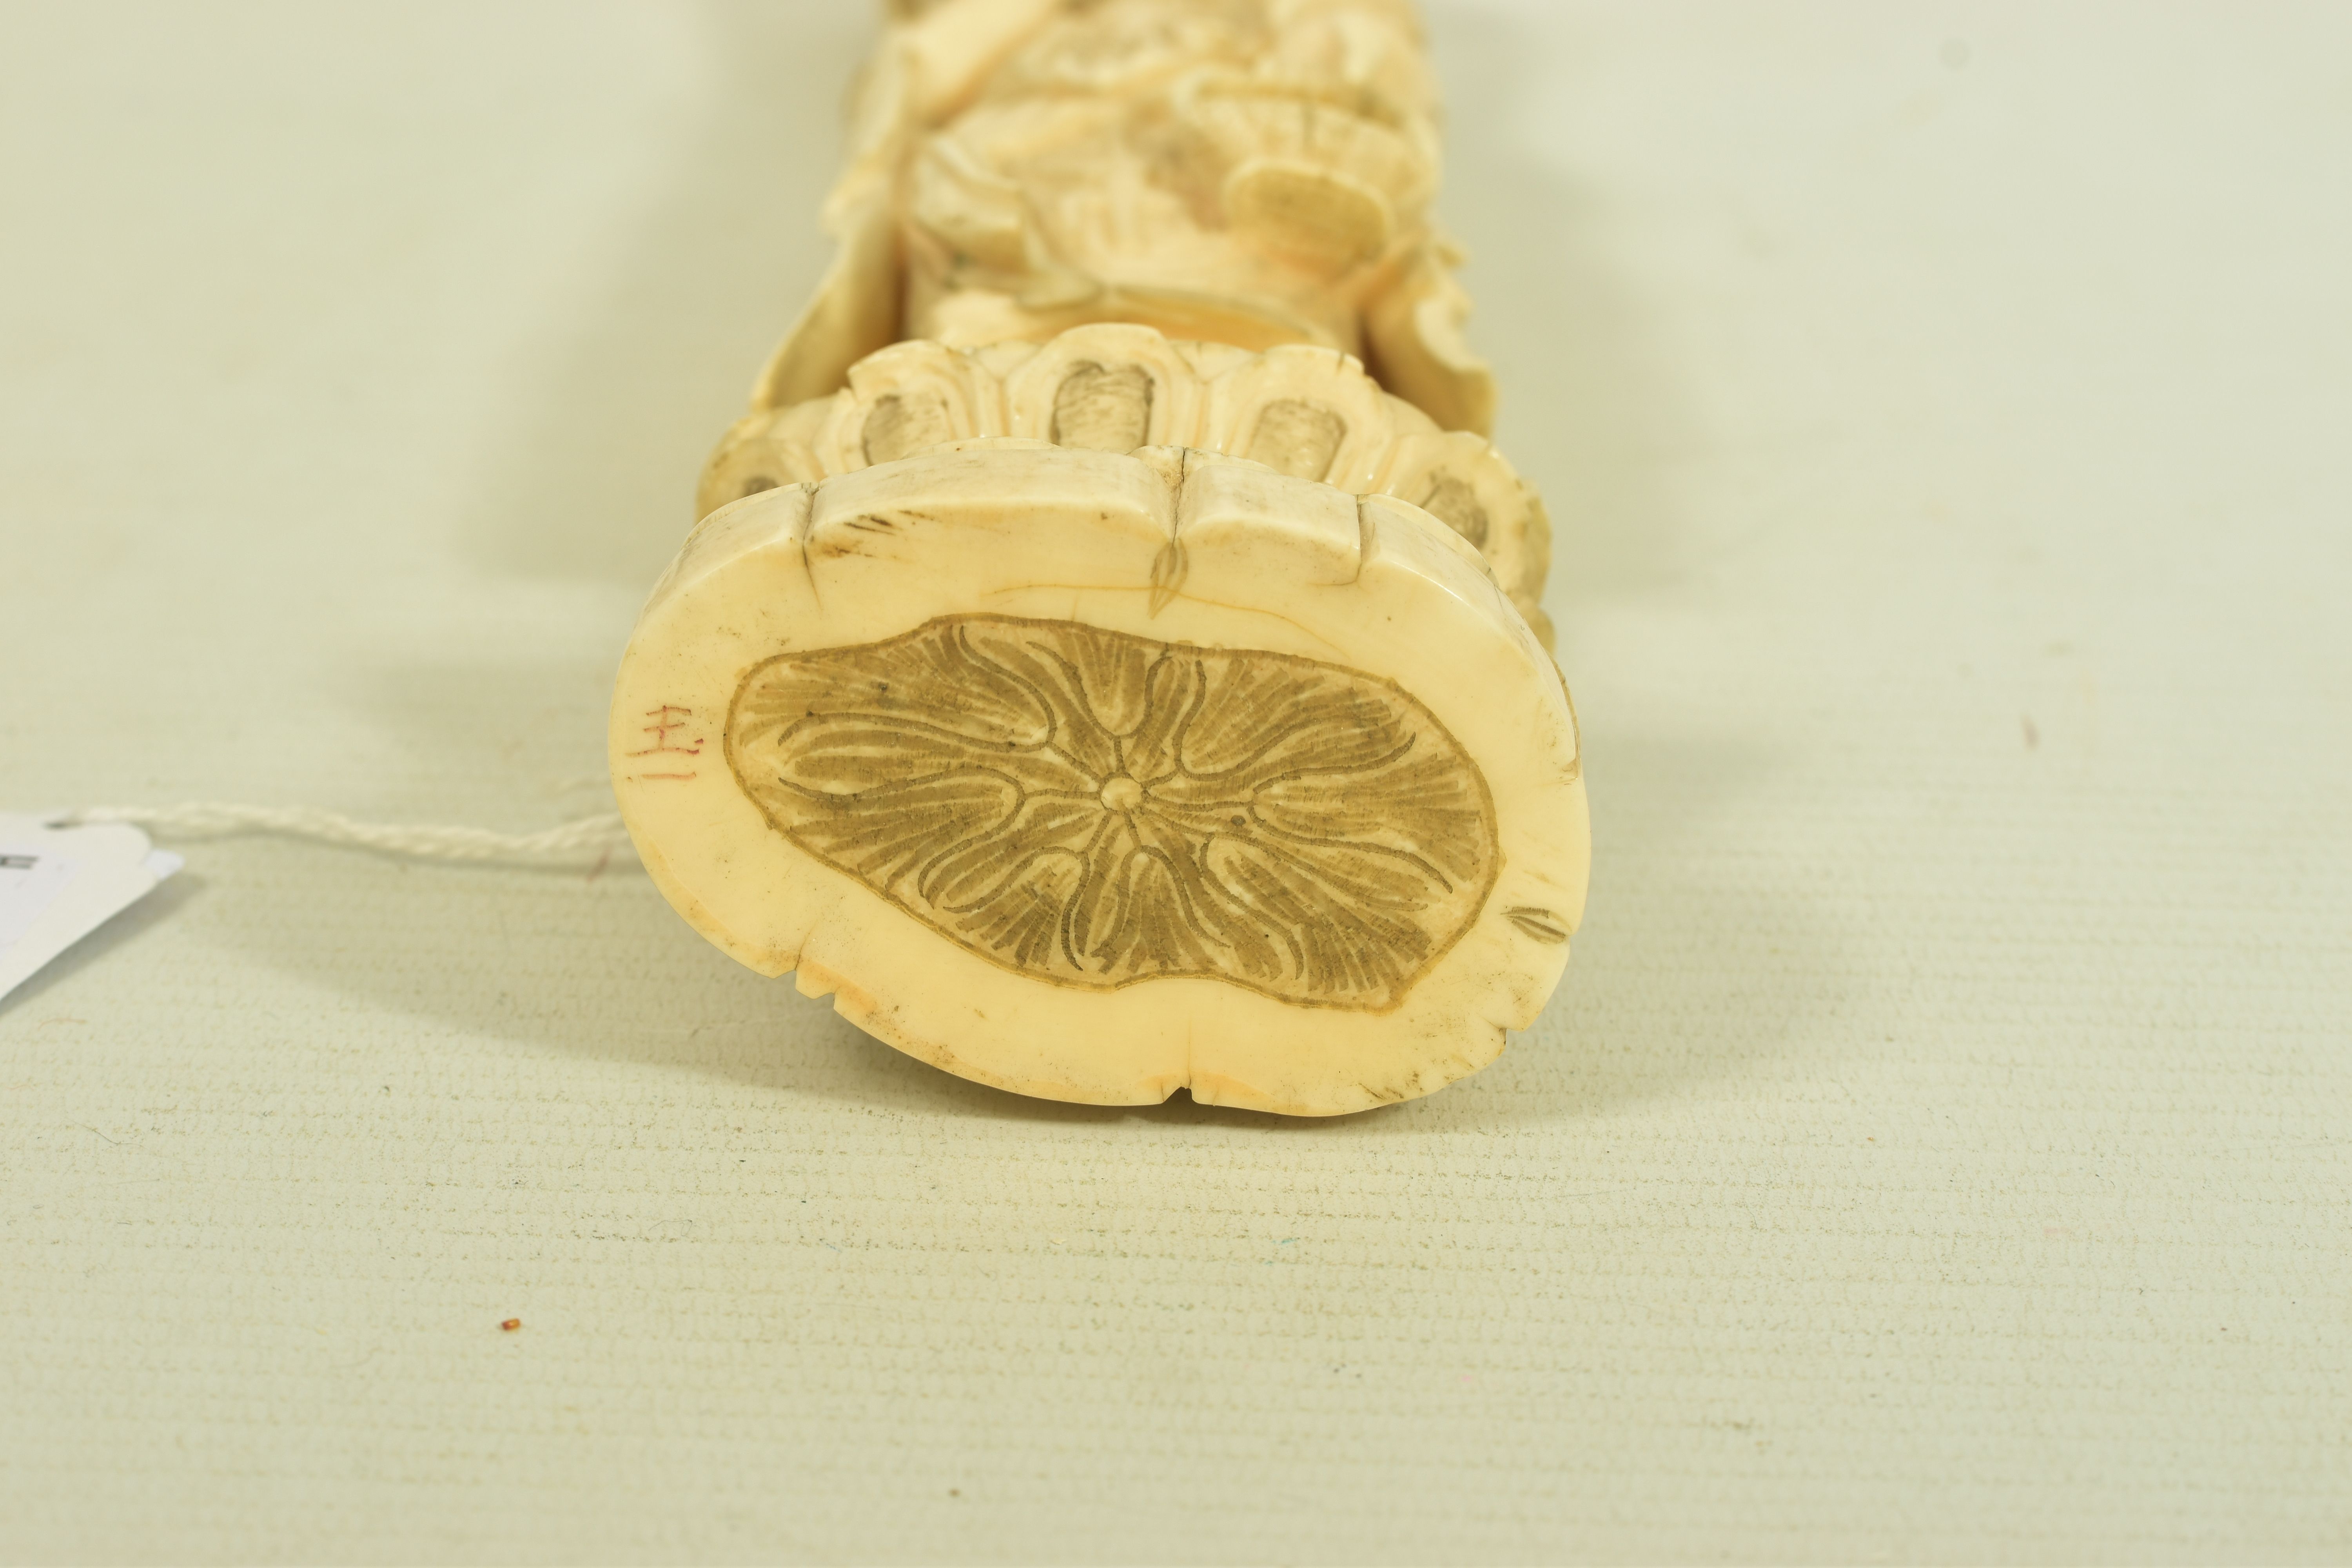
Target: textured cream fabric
1939, 1151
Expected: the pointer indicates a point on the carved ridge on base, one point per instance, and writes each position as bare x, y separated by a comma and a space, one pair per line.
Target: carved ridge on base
1310, 414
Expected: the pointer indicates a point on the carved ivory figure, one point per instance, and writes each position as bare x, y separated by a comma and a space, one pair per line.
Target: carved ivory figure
1111, 658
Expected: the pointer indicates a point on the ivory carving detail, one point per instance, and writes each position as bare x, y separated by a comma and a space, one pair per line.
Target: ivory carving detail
1096, 809
1110, 656
1252, 173
1308, 413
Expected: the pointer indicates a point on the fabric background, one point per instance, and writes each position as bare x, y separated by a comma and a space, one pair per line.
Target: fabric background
1937, 1151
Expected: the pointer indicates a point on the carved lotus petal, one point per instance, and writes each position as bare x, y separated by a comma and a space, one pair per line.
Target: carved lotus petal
1097, 810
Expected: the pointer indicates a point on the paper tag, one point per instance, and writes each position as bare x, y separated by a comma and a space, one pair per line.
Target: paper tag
59, 884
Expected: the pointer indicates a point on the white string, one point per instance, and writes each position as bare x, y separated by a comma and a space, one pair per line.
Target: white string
591, 838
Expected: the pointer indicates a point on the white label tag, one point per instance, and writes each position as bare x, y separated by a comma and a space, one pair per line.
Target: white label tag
29, 881
59, 884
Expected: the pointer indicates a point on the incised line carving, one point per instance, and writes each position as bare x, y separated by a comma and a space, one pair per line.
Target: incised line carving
1094, 810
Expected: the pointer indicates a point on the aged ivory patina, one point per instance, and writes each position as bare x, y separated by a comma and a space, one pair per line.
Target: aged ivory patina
1086, 669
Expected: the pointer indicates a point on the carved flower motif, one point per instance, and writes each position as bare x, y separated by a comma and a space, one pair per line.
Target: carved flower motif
1097, 810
